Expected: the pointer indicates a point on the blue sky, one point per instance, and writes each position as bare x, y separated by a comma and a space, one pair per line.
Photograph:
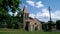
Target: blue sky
39, 9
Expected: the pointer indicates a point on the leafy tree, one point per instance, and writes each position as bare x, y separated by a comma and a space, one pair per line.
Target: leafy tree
12, 4
58, 24
4, 8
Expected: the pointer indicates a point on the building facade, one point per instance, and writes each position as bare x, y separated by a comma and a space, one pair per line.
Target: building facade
30, 24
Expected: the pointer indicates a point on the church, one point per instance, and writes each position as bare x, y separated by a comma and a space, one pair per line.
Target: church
30, 24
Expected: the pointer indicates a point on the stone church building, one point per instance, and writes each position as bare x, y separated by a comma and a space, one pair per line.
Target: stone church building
30, 24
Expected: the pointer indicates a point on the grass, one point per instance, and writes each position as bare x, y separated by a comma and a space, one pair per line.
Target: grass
20, 31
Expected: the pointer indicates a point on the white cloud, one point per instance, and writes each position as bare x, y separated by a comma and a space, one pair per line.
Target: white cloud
10, 13
39, 4
32, 15
35, 4
44, 15
15, 13
44, 10
56, 15
30, 3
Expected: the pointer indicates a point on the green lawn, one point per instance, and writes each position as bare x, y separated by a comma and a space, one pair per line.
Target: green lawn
20, 31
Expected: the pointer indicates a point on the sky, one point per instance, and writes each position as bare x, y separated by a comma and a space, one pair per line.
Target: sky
39, 9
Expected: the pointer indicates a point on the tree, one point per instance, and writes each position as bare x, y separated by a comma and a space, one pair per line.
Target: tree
4, 9
58, 24
50, 25
12, 4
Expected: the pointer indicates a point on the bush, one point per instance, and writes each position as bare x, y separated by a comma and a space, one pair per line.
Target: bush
9, 25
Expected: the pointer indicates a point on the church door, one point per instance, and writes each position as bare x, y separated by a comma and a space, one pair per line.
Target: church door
36, 27
27, 25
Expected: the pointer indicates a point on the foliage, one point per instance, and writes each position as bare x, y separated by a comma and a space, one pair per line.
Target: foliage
7, 20
48, 26
58, 24
12, 4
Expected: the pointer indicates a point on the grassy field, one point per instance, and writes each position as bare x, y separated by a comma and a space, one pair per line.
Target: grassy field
20, 31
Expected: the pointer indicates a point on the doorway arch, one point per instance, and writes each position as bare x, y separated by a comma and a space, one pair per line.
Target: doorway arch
36, 26
27, 26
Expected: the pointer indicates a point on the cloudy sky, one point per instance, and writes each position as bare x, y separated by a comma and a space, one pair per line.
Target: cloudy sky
39, 9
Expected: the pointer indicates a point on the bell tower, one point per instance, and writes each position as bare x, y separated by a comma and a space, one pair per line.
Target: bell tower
25, 12
25, 16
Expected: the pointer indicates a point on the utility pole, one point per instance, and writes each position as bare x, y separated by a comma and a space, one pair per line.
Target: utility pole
50, 13
50, 21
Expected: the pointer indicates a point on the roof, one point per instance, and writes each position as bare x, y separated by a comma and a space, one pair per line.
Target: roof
25, 9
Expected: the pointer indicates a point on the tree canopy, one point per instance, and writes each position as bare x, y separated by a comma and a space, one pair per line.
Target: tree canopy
58, 24
5, 18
